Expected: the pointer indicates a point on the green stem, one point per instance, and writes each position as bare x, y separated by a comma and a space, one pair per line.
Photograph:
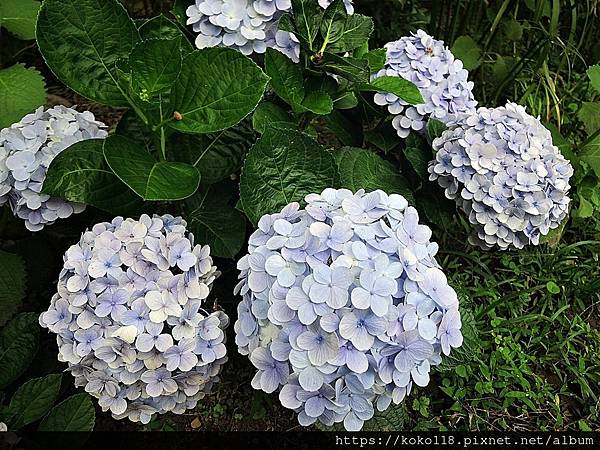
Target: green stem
162, 123
163, 144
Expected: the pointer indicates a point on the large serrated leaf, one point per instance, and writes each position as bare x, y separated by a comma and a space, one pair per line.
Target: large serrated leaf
18, 345
81, 41
19, 16
282, 167
216, 89
155, 65
150, 179
398, 86
33, 399
21, 91
80, 174
362, 169
76, 413
356, 31
215, 221
12, 285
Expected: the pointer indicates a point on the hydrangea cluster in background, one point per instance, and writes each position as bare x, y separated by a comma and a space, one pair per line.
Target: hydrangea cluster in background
129, 319
247, 25
26, 150
501, 167
344, 305
441, 79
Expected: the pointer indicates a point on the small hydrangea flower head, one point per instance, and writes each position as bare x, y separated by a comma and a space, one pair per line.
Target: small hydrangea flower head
344, 306
26, 150
249, 26
129, 320
500, 166
440, 77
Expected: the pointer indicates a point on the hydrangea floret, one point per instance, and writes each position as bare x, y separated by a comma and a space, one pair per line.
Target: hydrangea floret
129, 319
440, 77
501, 167
249, 26
26, 150
344, 305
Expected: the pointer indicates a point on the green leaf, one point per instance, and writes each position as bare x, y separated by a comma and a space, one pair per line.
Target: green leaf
586, 209
513, 30
435, 128
362, 169
161, 27
269, 113
19, 16
589, 114
282, 167
155, 65
81, 40
346, 130
398, 86
318, 102
216, 222
565, 147
467, 50
383, 137
307, 19
334, 21
593, 74
80, 174
216, 89
286, 77
150, 179
352, 69
471, 343
418, 155
33, 399
376, 59
591, 155
12, 285
215, 155
76, 413
21, 91
18, 345
356, 31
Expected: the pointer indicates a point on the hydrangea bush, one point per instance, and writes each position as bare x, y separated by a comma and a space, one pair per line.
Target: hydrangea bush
250, 26
344, 305
501, 167
26, 150
440, 77
129, 319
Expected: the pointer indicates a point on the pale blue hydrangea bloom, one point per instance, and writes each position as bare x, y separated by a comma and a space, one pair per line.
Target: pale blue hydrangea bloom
26, 150
440, 77
249, 26
344, 305
501, 167
129, 319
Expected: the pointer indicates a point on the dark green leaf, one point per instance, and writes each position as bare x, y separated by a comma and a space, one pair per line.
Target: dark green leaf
353, 69
589, 114
76, 413
465, 353
346, 130
282, 167
155, 65
215, 222
565, 147
33, 399
467, 50
21, 91
384, 137
398, 86
161, 27
131, 126
356, 31
19, 16
513, 30
80, 174
419, 158
81, 40
593, 74
307, 19
269, 113
435, 128
150, 179
12, 285
18, 345
376, 59
216, 89
215, 155
334, 21
362, 169
318, 102
286, 77
591, 155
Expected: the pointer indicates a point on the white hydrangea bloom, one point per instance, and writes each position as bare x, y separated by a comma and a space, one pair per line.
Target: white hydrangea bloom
26, 150
501, 167
129, 320
249, 26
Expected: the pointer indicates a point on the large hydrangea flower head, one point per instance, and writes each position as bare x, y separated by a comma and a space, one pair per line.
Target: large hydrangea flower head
440, 77
501, 167
344, 305
249, 26
129, 319
26, 150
